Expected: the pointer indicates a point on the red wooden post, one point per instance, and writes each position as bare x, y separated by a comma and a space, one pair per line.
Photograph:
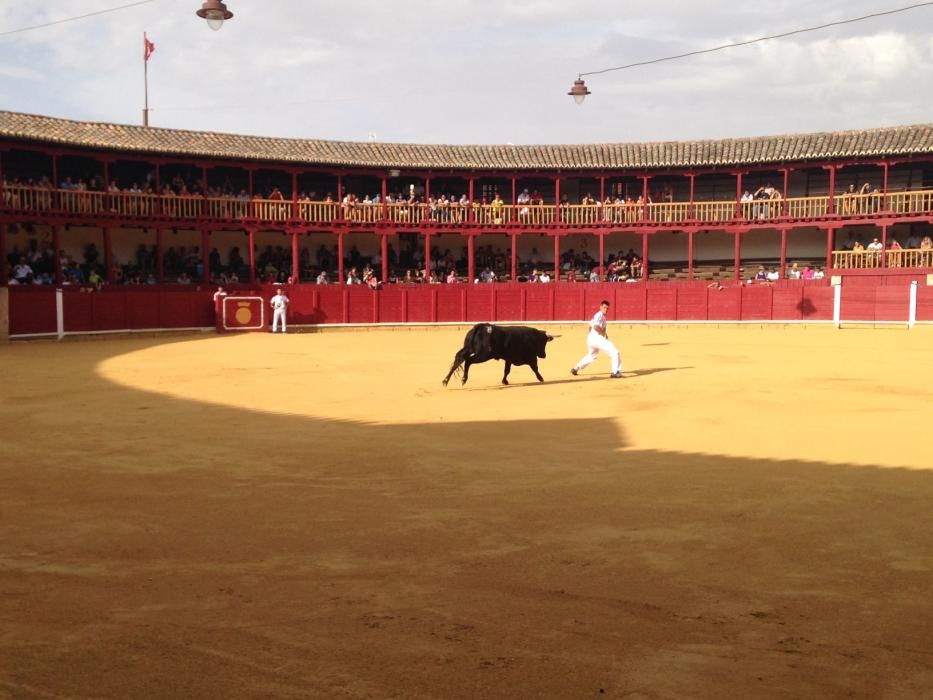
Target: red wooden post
690, 254
385, 206
690, 213
296, 258
56, 247
784, 195
427, 188
514, 182
737, 259
3, 261
294, 194
884, 245
249, 182
644, 255
556, 200
471, 217
340, 277
602, 257
108, 255
427, 256
514, 251
831, 207
738, 195
55, 183
205, 257
204, 187
158, 188
602, 189
644, 197
251, 242
159, 262
829, 246
783, 252
884, 188
385, 258
557, 258
340, 205
471, 259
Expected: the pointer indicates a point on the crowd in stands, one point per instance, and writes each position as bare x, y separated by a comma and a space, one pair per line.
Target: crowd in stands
771, 274
183, 196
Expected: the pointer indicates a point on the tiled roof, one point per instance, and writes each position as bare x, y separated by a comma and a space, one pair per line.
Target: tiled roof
869, 143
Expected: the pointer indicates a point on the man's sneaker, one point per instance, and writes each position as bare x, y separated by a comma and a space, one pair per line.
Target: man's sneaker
616, 375
574, 371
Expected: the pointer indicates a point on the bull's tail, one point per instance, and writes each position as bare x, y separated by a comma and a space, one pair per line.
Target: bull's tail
459, 359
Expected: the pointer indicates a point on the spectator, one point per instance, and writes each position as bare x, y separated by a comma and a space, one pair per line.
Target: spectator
22, 273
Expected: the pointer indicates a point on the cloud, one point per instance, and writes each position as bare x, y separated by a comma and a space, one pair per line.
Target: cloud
21, 73
479, 71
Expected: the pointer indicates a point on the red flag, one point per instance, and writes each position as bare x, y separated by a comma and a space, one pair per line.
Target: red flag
148, 47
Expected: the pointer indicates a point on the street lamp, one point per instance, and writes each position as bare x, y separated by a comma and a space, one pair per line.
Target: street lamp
578, 92
215, 12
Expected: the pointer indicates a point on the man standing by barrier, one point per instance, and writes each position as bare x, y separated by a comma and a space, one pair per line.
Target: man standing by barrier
279, 304
597, 340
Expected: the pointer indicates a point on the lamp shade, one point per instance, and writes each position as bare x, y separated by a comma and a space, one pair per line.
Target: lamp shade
215, 12
579, 91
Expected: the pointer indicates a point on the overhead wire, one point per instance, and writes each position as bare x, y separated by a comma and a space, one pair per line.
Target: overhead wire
74, 19
760, 39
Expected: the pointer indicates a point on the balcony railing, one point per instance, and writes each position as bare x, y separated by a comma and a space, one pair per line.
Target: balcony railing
135, 204
873, 259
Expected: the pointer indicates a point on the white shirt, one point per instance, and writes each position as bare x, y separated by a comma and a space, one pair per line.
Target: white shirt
599, 321
875, 245
279, 302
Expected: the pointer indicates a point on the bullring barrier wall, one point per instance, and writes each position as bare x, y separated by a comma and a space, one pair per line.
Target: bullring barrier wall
32, 310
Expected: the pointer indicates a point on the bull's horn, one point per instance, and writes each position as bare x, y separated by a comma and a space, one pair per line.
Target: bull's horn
551, 337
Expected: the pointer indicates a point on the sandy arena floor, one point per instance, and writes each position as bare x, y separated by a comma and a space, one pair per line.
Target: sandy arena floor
748, 514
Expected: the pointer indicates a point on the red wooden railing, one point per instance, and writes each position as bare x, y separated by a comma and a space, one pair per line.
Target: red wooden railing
20, 198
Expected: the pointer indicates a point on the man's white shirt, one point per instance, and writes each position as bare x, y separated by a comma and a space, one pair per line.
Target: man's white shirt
599, 321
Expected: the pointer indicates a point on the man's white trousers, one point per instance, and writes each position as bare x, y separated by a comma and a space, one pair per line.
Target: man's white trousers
277, 316
597, 342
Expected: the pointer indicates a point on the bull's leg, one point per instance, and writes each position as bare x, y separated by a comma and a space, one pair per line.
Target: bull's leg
534, 368
458, 360
508, 368
466, 370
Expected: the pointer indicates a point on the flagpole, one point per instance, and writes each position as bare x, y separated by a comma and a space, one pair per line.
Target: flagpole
145, 83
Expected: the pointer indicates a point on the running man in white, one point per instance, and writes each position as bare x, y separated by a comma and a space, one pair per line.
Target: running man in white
597, 340
279, 303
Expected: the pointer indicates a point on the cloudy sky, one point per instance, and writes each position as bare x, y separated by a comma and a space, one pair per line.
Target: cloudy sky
474, 71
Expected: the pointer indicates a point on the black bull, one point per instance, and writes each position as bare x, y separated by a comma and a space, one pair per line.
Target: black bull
517, 345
